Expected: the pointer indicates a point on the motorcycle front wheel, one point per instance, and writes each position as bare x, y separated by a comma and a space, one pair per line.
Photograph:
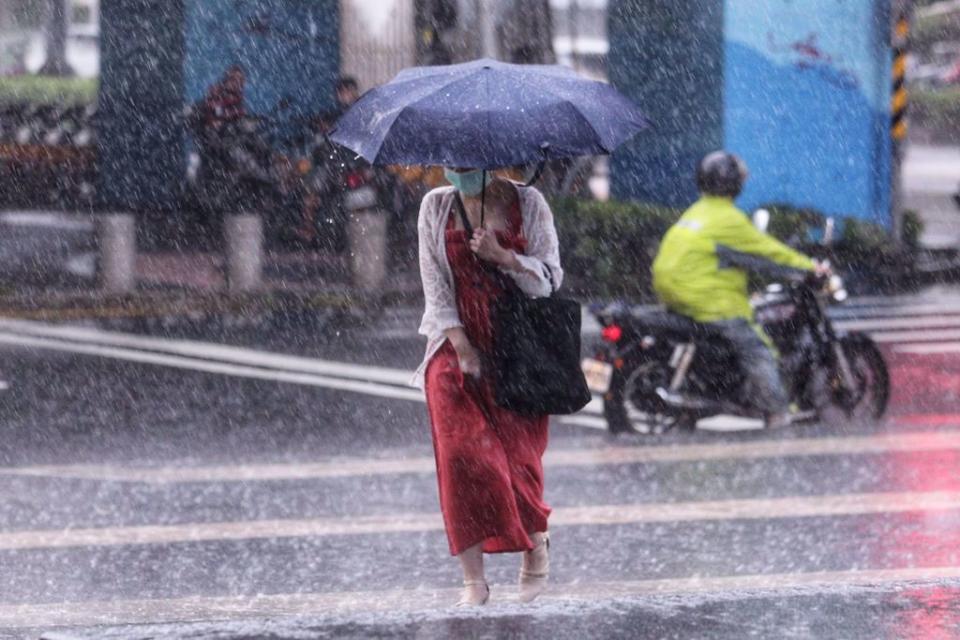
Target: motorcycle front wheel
865, 401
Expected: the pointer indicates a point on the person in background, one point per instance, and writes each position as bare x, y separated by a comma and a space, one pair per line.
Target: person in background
348, 91
224, 103
326, 186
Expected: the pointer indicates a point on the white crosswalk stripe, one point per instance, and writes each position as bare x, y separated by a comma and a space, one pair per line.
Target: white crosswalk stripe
924, 328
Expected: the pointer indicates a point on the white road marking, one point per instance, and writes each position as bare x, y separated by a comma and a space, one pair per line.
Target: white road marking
901, 337
201, 356
50, 220
714, 510
723, 423
925, 322
588, 421
555, 458
730, 423
930, 348
894, 301
385, 603
847, 313
212, 351
207, 366
244, 362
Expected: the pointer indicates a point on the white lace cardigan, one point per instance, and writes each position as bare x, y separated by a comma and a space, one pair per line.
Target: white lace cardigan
440, 302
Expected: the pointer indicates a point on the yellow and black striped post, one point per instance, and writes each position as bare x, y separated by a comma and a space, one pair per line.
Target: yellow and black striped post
900, 100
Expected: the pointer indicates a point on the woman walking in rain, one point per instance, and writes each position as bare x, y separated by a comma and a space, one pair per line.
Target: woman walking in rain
484, 114
489, 466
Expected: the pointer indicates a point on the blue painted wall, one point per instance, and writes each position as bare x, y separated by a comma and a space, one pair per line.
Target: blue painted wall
804, 95
160, 55
288, 48
807, 94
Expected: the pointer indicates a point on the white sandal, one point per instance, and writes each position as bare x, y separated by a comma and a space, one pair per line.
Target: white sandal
533, 583
465, 599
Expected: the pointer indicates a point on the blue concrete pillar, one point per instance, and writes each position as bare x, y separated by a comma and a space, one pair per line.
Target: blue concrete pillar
667, 57
140, 137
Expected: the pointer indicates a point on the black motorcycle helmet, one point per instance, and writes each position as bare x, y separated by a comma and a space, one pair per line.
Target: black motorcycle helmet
721, 174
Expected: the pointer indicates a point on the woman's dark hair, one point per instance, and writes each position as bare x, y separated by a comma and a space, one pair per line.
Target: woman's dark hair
346, 83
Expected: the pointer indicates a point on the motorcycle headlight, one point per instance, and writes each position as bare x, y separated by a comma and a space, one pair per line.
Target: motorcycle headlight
837, 289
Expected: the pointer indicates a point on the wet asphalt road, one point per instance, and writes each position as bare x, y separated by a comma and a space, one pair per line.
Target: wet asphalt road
158, 489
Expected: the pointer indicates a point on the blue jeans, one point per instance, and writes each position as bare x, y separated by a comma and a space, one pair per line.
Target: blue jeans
764, 385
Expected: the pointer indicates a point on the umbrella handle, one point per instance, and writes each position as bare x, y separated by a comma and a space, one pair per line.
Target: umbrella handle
544, 148
483, 196
536, 174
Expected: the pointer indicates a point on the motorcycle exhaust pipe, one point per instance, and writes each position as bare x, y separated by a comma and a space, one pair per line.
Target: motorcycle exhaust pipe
681, 401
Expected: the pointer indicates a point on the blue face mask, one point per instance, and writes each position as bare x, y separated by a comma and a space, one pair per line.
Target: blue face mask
469, 183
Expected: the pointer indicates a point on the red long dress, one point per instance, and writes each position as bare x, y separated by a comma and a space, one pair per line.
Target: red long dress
489, 465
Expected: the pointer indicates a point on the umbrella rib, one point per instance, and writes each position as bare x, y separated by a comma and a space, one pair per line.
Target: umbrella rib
576, 111
410, 104
486, 78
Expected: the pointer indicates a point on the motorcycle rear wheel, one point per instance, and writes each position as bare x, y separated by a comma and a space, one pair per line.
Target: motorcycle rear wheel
625, 412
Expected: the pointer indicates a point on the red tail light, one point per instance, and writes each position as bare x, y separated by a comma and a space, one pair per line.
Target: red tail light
355, 179
612, 333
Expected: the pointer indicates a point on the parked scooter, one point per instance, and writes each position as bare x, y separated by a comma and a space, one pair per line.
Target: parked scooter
658, 370
47, 155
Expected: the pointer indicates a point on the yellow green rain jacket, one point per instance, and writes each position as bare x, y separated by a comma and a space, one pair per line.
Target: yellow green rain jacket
701, 268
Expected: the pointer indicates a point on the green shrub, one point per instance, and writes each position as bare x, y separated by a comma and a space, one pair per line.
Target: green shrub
912, 229
929, 30
861, 239
609, 247
936, 109
47, 90
793, 225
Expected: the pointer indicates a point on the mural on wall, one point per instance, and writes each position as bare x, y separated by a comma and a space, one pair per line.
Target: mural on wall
799, 88
806, 93
289, 49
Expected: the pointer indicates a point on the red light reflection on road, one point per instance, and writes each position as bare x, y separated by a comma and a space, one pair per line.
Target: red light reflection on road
924, 384
925, 392
928, 614
923, 539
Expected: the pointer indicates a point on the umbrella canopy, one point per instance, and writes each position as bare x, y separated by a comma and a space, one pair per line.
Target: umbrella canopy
487, 114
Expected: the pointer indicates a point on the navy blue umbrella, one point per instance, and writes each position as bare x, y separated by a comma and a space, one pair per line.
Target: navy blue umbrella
487, 114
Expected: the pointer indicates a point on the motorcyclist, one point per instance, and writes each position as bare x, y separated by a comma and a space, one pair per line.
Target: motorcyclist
223, 105
236, 160
324, 195
701, 272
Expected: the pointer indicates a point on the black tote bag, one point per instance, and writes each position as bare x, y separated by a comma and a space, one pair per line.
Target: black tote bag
535, 359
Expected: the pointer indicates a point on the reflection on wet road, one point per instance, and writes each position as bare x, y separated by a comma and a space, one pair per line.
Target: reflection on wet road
218, 485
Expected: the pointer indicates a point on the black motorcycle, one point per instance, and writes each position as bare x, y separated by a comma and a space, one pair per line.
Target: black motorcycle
656, 370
